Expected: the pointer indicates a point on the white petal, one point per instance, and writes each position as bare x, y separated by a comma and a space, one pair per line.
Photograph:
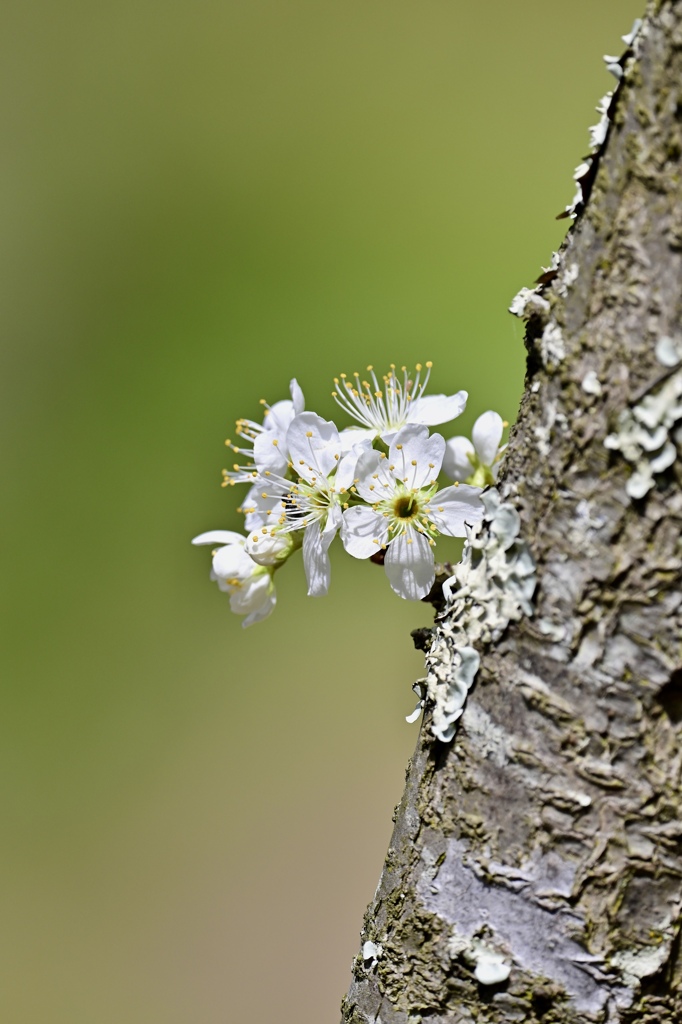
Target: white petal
351, 436
486, 435
316, 560
374, 481
313, 443
363, 531
279, 416
409, 566
456, 465
435, 409
415, 456
270, 451
346, 473
219, 537
452, 507
232, 561
334, 519
296, 396
265, 609
266, 549
251, 594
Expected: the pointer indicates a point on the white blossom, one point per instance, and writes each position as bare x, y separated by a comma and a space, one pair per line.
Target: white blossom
264, 442
311, 503
250, 586
383, 408
476, 462
406, 511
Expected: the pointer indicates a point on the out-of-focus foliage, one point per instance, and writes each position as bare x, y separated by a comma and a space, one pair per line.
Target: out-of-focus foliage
199, 201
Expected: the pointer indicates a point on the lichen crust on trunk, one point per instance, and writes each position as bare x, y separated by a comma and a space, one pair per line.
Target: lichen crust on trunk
535, 869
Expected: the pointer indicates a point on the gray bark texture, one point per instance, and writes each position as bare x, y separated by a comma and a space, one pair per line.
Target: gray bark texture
547, 836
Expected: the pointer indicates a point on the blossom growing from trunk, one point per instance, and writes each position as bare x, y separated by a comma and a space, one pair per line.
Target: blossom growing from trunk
250, 586
476, 463
264, 442
383, 408
310, 504
406, 511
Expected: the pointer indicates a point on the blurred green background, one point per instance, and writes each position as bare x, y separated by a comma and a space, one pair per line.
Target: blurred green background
198, 202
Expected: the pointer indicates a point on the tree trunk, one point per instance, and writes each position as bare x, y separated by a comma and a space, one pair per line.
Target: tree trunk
535, 869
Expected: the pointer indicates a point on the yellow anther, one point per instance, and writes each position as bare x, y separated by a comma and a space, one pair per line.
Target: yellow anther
409, 540
418, 367
264, 529
263, 495
369, 369
414, 462
429, 365
301, 462
375, 540
441, 509
276, 443
371, 487
228, 443
505, 423
399, 447
431, 465
308, 433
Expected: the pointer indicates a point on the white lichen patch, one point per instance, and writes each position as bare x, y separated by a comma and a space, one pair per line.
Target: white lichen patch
598, 132
641, 963
552, 348
649, 432
371, 953
669, 351
491, 967
529, 302
590, 384
492, 586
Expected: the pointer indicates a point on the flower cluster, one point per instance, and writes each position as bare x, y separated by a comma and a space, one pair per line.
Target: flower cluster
374, 482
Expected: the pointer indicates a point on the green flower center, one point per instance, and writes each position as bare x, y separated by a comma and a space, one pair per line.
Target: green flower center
405, 506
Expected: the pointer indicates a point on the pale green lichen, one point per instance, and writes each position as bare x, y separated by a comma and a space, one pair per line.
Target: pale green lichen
649, 432
492, 586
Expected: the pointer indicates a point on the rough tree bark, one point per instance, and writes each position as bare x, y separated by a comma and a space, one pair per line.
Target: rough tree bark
549, 832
